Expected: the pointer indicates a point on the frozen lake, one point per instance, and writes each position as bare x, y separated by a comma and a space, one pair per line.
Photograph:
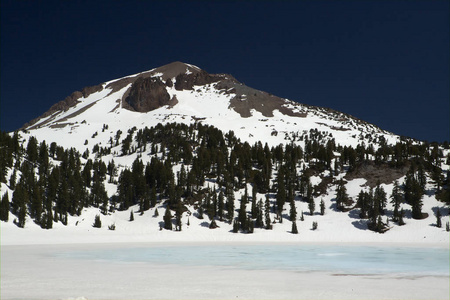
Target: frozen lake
299, 258
223, 271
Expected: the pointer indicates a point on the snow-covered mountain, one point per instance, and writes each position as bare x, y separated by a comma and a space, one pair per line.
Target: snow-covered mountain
325, 153
184, 93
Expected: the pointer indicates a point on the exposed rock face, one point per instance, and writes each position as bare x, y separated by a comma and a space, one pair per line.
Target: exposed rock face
187, 81
247, 99
147, 94
175, 68
68, 102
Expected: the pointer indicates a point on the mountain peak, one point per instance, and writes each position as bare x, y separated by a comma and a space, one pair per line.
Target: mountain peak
181, 92
176, 68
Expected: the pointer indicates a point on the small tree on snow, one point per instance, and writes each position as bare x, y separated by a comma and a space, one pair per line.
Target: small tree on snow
294, 228
438, 218
131, 216
322, 207
97, 222
168, 219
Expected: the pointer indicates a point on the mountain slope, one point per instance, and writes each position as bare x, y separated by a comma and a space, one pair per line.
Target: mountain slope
184, 93
205, 150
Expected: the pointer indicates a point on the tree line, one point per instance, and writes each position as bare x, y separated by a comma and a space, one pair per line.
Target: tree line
50, 183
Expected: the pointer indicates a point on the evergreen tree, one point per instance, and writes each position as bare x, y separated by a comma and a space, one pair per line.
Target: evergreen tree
397, 199
414, 192
294, 229
281, 194
267, 213
4, 206
178, 215
156, 214
293, 211
438, 218
32, 150
380, 198
311, 206
47, 223
250, 225
221, 206
341, 195
254, 209
379, 226
131, 216
12, 180
213, 224
236, 226
97, 222
242, 214
153, 197
168, 219
230, 205
322, 207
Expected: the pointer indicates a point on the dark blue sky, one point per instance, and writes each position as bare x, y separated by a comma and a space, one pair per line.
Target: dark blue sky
386, 62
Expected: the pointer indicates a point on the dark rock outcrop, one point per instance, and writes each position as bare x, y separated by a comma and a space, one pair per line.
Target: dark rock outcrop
147, 94
187, 81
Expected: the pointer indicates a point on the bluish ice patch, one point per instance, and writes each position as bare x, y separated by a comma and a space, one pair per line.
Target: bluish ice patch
301, 258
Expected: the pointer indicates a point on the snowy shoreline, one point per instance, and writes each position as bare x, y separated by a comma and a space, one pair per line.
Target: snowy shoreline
50, 272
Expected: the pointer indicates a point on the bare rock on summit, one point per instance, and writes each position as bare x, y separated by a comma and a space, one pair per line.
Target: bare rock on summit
147, 94
186, 81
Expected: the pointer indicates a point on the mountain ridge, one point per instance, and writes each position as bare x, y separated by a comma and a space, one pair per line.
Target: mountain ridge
196, 144
174, 88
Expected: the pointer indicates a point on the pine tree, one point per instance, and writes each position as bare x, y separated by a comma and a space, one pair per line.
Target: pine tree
380, 198
236, 226
230, 206
397, 199
4, 206
221, 206
242, 214
292, 211
153, 197
131, 216
341, 195
267, 213
213, 224
259, 215
156, 214
322, 207
281, 194
311, 206
97, 222
178, 215
12, 180
250, 225
168, 219
438, 218
294, 229
302, 218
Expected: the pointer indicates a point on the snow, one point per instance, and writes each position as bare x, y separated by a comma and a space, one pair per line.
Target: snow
26, 252
53, 272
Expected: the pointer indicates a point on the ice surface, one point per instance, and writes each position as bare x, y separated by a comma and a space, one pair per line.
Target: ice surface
302, 258
138, 271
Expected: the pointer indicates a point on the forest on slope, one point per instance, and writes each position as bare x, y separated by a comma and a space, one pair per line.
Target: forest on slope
199, 168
